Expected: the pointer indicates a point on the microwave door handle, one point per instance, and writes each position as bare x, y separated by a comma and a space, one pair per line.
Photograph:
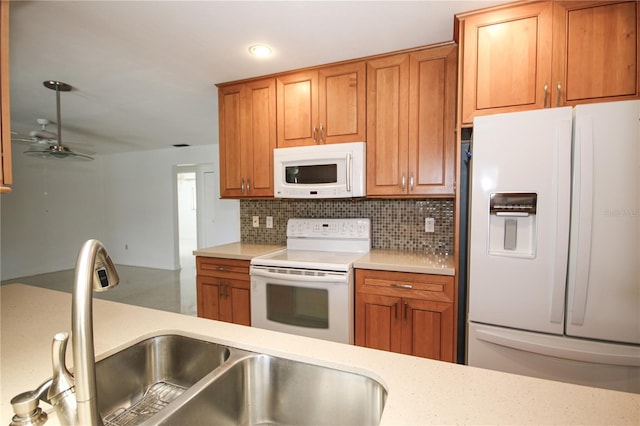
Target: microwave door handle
349, 161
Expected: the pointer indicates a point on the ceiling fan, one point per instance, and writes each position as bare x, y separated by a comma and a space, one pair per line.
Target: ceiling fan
48, 144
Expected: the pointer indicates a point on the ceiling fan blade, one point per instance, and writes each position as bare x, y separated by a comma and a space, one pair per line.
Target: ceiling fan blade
56, 151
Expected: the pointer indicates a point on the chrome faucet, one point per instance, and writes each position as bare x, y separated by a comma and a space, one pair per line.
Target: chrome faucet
75, 397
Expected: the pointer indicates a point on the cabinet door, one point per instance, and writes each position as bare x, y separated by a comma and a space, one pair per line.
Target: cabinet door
247, 121
297, 100
5, 119
208, 290
378, 323
428, 329
230, 112
595, 56
237, 303
342, 105
257, 149
506, 61
432, 95
387, 125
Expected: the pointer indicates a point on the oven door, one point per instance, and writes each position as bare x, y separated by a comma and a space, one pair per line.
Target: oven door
308, 303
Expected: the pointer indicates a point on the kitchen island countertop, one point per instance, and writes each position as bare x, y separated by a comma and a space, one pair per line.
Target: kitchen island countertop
407, 261
420, 391
239, 250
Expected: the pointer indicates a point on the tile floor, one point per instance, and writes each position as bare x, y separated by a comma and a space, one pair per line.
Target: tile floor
173, 291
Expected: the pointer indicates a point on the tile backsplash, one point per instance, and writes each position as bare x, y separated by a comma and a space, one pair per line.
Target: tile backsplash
397, 224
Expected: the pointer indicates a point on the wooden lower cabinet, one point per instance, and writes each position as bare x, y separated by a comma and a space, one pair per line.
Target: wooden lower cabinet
223, 289
407, 313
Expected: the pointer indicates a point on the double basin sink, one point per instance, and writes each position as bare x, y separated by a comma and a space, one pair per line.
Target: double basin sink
178, 380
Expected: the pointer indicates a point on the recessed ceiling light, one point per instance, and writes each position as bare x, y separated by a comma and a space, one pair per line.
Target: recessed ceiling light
260, 50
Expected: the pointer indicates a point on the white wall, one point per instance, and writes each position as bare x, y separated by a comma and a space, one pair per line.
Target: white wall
125, 200
141, 215
54, 206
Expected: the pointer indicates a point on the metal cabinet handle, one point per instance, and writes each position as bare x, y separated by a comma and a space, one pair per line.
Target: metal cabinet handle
404, 181
546, 95
395, 309
248, 185
411, 182
315, 139
396, 285
242, 185
321, 133
406, 308
559, 93
221, 268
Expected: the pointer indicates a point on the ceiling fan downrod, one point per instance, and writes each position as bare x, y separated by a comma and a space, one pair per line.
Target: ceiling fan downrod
58, 86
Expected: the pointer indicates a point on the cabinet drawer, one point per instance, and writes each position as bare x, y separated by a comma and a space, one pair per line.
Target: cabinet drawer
223, 268
402, 284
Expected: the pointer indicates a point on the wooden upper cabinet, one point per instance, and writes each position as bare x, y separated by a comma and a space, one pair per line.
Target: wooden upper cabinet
5, 116
505, 59
595, 56
432, 98
342, 109
326, 105
410, 116
547, 54
247, 138
387, 125
297, 102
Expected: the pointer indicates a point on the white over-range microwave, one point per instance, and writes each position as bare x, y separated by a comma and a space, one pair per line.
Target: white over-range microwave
320, 171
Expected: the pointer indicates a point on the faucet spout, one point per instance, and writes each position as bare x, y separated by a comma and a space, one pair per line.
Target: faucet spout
94, 271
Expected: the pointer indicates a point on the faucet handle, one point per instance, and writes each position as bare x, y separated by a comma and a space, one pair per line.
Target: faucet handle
62, 390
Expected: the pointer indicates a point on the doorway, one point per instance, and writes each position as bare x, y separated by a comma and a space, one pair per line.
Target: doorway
203, 220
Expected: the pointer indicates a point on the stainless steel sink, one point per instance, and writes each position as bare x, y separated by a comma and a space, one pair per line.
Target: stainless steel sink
261, 389
158, 369
177, 380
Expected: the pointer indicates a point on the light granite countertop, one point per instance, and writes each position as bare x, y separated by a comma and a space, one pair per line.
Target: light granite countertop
407, 261
386, 260
420, 391
242, 251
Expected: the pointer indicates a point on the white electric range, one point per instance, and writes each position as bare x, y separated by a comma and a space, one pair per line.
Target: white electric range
308, 288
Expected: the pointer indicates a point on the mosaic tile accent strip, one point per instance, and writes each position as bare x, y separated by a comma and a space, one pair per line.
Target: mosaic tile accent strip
397, 224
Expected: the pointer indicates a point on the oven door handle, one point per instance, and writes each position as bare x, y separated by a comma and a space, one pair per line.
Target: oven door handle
299, 278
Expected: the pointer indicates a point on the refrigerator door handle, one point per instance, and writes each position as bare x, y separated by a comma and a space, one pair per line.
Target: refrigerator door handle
583, 164
562, 190
558, 351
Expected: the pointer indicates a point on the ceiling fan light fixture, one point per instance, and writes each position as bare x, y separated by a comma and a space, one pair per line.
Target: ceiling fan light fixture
260, 50
57, 150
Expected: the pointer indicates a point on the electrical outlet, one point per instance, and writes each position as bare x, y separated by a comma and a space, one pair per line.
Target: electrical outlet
429, 224
269, 221
256, 221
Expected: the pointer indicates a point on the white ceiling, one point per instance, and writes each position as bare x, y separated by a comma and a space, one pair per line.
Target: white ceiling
144, 72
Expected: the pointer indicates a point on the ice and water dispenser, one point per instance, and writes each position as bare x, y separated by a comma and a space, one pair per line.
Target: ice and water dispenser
512, 224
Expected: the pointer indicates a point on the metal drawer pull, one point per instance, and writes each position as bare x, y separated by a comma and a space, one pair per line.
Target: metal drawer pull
221, 268
403, 182
559, 93
406, 308
401, 285
546, 94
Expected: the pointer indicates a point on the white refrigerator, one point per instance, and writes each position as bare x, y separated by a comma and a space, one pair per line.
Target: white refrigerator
554, 244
